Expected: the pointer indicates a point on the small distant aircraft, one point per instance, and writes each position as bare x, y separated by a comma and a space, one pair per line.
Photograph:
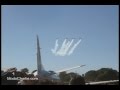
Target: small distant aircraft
102, 82
41, 73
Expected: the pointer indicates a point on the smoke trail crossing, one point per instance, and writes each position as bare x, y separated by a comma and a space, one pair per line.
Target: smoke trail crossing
73, 48
66, 48
61, 51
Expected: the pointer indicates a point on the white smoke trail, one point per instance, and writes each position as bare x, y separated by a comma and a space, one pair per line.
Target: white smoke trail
65, 48
61, 52
73, 48
55, 48
68, 46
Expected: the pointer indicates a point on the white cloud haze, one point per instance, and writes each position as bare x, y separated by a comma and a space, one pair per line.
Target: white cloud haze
67, 47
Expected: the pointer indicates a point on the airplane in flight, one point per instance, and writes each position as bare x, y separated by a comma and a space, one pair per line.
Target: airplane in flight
41, 73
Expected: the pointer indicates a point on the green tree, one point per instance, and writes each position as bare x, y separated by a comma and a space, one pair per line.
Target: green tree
71, 78
64, 76
12, 69
106, 74
78, 80
102, 74
25, 70
90, 75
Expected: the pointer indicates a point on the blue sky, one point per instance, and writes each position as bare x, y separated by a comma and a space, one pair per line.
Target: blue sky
97, 25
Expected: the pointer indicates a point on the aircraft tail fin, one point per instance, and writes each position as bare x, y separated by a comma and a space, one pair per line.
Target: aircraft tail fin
39, 62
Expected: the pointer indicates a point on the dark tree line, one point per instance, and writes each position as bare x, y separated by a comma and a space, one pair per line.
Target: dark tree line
72, 78
102, 74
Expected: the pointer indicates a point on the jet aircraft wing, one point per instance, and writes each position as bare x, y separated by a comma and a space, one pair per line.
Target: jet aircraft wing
102, 82
63, 70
